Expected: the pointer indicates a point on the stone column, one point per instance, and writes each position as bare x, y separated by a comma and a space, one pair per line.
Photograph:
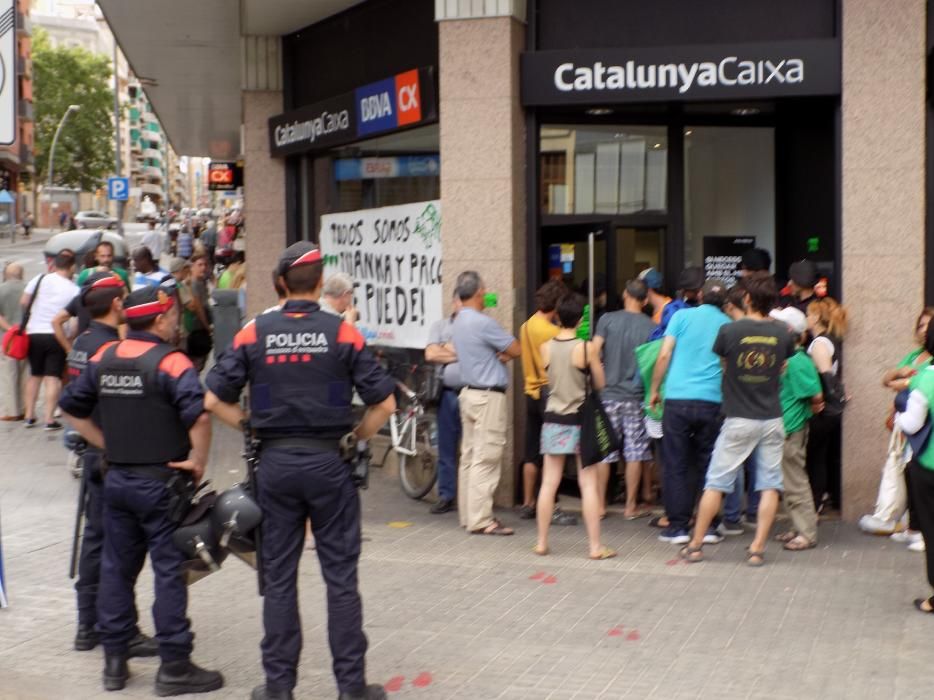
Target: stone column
483, 169
883, 219
263, 176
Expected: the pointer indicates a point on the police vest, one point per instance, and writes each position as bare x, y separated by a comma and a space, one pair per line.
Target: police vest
84, 348
300, 379
140, 424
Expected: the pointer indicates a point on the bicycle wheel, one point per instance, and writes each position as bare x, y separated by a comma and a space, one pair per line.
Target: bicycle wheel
417, 474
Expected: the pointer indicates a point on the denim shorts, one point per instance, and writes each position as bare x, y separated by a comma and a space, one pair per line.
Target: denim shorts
561, 439
738, 439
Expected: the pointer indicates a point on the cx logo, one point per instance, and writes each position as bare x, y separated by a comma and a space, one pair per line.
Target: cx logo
408, 98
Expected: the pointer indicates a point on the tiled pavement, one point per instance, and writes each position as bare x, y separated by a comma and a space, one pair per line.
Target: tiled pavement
452, 616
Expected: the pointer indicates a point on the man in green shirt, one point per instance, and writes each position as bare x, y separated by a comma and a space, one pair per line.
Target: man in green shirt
104, 255
801, 397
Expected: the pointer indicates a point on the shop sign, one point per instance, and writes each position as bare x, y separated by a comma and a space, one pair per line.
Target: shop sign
224, 175
681, 73
723, 255
374, 168
394, 257
397, 102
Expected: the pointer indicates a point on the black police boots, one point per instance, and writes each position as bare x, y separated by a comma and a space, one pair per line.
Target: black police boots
143, 645
261, 692
86, 638
181, 677
116, 672
371, 692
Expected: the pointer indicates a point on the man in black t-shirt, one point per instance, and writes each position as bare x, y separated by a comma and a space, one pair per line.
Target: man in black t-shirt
754, 350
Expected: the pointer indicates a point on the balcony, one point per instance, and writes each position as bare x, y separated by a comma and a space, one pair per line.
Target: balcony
153, 154
23, 24
152, 190
149, 118
154, 173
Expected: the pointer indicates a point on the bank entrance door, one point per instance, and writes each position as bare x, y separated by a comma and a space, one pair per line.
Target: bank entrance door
621, 252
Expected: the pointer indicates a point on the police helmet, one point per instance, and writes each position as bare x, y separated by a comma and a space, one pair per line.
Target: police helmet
235, 516
196, 538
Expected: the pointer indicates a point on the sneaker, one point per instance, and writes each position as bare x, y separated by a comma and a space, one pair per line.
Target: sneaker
729, 528
917, 546
526, 513
29, 423
907, 537
54, 425
559, 517
443, 506
713, 537
872, 525
674, 535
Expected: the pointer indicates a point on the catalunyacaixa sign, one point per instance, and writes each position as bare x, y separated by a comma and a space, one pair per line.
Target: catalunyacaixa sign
398, 102
681, 73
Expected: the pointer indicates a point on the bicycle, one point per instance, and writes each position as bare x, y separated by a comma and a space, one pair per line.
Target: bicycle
414, 439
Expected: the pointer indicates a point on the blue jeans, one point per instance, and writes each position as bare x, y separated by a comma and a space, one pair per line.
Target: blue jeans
733, 504
690, 429
449, 437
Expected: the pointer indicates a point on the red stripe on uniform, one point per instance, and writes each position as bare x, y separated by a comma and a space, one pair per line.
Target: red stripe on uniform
349, 335
245, 336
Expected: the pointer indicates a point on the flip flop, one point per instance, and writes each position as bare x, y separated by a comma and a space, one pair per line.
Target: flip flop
921, 601
786, 536
692, 555
657, 522
755, 559
497, 531
799, 544
604, 553
638, 516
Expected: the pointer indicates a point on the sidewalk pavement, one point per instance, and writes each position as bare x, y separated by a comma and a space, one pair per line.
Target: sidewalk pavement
454, 616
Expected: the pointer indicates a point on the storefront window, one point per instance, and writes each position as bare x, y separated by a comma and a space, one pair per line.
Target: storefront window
729, 193
603, 169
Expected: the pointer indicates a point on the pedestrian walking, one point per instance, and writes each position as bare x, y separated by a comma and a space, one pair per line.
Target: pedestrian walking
754, 350
534, 333
567, 360
618, 335
197, 318
44, 297
27, 224
147, 272
152, 428
102, 295
693, 394
11, 370
483, 349
302, 366
440, 351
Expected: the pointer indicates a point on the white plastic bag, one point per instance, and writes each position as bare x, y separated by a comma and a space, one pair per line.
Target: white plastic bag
892, 501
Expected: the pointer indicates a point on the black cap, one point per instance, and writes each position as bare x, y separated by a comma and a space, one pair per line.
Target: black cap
101, 280
691, 279
803, 273
756, 260
146, 302
297, 254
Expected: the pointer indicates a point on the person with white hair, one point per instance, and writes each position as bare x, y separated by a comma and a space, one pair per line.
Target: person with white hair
337, 296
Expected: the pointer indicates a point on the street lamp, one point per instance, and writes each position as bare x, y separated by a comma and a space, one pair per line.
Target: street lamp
69, 111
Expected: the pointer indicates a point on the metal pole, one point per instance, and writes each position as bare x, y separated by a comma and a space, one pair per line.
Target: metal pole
590, 283
58, 130
119, 168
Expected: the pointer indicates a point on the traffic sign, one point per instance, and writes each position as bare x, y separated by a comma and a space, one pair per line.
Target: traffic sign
118, 188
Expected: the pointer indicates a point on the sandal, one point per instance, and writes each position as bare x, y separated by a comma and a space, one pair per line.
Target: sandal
755, 559
799, 544
919, 603
604, 553
638, 515
543, 552
786, 536
660, 521
691, 555
495, 528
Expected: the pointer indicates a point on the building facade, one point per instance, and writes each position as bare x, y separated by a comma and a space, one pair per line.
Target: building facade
16, 158
672, 133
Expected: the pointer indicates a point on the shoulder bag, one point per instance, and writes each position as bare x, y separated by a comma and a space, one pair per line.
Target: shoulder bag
15, 341
598, 439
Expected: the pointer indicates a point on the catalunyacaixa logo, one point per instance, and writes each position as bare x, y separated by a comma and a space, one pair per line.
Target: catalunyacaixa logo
312, 129
633, 75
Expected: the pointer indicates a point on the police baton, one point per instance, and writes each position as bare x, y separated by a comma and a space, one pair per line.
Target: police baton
79, 516
251, 455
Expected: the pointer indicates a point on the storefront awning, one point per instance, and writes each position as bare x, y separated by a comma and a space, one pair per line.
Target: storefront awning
187, 57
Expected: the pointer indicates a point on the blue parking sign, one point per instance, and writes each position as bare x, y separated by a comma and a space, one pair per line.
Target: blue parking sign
118, 188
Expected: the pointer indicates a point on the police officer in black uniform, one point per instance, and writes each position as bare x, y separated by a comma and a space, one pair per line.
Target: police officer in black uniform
102, 296
303, 365
155, 435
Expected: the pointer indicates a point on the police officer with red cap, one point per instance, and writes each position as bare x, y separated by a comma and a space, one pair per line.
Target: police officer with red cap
303, 365
155, 436
102, 296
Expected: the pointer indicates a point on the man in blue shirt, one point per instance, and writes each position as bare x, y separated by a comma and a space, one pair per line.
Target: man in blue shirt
693, 394
483, 348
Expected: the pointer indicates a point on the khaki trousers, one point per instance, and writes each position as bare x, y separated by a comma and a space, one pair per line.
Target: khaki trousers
799, 501
11, 387
483, 416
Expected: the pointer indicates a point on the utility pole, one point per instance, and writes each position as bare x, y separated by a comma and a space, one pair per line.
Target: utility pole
68, 112
118, 159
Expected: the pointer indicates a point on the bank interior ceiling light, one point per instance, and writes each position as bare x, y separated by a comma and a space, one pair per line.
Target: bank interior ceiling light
599, 111
745, 111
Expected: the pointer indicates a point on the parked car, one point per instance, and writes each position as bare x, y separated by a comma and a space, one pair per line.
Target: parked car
94, 219
83, 241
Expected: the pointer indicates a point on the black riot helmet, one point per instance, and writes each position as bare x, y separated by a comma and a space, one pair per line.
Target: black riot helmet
197, 539
234, 517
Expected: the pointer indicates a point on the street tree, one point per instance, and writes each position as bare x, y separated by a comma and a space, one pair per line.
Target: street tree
63, 76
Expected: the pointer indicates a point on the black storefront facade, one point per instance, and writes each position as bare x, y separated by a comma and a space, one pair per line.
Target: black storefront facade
679, 134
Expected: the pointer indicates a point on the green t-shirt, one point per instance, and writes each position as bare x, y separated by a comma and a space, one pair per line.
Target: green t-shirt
924, 382
88, 271
800, 383
911, 359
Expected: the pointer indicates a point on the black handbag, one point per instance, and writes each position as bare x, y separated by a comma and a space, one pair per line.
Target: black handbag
835, 397
598, 439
